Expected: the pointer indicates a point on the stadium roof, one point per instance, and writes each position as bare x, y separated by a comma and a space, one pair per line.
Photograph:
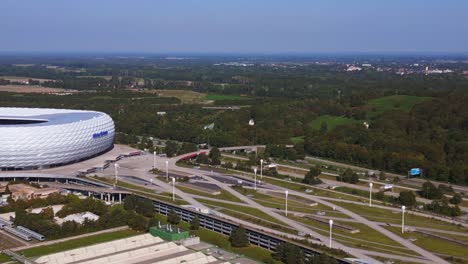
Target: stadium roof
20, 117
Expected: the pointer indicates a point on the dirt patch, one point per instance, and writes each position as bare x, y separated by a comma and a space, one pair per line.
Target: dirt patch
23, 79
187, 97
33, 89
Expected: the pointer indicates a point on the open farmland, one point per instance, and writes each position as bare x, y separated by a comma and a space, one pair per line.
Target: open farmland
395, 102
185, 96
23, 79
32, 89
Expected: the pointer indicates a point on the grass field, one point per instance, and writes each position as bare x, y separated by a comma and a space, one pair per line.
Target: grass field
245, 209
23, 79
433, 244
223, 196
79, 242
297, 140
331, 121
395, 102
215, 97
185, 96
4, 258
105, 77
367, 238
394, 217
30, 89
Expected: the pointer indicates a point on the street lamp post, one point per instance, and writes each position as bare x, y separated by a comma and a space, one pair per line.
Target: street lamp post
331, 224
255, 179
403, 219
167, 170
115, 173
370, 194
261, 169
154, 160
173, 188
286, 209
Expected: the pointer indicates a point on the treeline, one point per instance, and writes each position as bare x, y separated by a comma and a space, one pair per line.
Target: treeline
109, 217
432, 137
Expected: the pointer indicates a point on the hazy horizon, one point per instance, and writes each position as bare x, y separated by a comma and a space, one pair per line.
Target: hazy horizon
240, 27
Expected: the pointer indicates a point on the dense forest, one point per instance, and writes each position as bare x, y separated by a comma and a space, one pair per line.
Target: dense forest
377, 119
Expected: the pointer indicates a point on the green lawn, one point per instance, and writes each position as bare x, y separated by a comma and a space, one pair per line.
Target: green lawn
79, 242
245, 209
367, 238
214, 97
297, 140
433, 244
331, 121
394, 102
223, 196
4, 258
394, 217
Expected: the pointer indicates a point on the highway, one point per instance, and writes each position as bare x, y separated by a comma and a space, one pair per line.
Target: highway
428, 255
139, 167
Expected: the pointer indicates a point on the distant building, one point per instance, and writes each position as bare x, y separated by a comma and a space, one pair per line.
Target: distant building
27, 192
366, 124
161, 113
353, 68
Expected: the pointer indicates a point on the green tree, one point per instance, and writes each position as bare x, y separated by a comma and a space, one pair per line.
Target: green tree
430, 191
202, 159
323, 127
47, 213
7, 190
130, 202
195, 223
173, 217
349, 176
171, 148
407, 198
187, 148
238, 237
289, 253
215, 156
138, 222
312, 176
382, 176
456, 199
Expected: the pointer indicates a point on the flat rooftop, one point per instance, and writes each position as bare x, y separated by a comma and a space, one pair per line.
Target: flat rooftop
141, 249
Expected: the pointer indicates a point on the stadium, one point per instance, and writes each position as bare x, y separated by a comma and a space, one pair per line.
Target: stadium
37, 138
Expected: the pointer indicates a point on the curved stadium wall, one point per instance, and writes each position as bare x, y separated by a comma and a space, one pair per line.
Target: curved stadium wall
34, 138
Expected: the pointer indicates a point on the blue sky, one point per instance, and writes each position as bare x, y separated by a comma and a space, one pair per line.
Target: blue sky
236, 26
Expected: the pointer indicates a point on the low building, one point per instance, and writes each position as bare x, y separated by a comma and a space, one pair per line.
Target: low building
28, 192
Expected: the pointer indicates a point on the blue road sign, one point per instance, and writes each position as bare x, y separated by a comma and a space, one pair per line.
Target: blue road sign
415, 171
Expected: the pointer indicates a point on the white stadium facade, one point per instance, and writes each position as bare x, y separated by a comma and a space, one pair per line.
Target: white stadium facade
36, 138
